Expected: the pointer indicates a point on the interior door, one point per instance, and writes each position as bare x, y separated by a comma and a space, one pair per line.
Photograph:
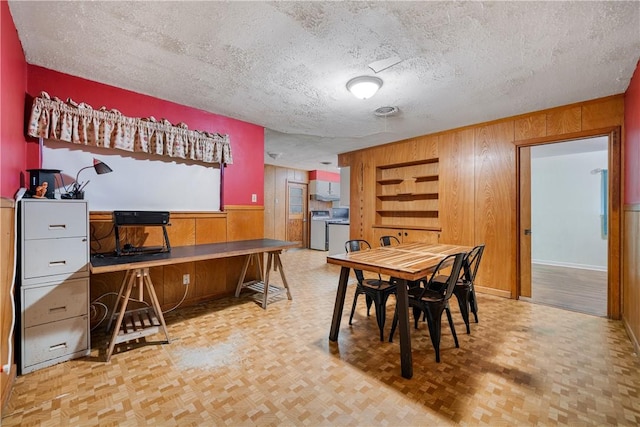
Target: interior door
525, 221
297, 213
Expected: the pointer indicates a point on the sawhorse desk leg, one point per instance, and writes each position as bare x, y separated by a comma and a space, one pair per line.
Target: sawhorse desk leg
273, 261
140, 322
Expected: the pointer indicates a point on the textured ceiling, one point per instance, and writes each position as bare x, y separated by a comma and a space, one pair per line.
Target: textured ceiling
284, 65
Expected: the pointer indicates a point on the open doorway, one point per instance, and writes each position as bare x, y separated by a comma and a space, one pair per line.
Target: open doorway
569, 225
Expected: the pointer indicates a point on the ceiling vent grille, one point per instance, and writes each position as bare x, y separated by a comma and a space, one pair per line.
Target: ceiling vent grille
385, 111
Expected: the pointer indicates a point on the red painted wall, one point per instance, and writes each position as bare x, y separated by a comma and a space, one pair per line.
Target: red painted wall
324, 176
632, 139
241, 179
13, 84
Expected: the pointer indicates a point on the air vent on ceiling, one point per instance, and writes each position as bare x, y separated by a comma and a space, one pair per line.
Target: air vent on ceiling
385, 111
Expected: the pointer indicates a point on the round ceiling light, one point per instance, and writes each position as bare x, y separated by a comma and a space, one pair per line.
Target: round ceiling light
364, 87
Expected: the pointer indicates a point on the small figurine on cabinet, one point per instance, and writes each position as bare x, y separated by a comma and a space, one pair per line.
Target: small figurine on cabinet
41, 190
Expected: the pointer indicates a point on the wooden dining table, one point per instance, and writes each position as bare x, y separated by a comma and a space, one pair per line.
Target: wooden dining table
405, 262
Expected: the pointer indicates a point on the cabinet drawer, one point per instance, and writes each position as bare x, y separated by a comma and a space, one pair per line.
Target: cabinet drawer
51, 303
48, 220
55, 256
53, 340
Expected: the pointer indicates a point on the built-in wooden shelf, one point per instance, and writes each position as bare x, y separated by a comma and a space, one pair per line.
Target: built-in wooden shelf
426, 178
409, 196
390, 181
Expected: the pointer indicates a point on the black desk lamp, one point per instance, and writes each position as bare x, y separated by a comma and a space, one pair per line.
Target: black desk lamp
77, 192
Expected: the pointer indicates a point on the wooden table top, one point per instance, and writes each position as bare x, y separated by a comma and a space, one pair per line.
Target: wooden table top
180, 254
410, 261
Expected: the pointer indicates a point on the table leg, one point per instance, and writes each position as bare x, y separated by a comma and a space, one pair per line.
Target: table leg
128, 276
122, 303
278, 265
247, 260
155, 303
406, 360
266, 279
337, 308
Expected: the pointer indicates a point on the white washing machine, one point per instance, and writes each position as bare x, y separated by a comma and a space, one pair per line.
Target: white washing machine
318, 230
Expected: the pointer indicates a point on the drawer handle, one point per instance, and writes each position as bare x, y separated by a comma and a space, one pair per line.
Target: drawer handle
58, 347
57, 309
56, 263
52, 226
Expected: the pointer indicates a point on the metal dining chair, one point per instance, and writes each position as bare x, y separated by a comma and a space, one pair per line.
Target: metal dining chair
376, 291
432, 303
464, 291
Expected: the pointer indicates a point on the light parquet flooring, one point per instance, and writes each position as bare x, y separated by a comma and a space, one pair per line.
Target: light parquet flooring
232, 363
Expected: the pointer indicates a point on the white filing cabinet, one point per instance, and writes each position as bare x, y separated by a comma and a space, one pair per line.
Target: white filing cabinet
54, 282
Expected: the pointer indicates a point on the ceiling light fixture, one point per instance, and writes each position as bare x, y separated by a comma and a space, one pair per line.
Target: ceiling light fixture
274, 156
364, 87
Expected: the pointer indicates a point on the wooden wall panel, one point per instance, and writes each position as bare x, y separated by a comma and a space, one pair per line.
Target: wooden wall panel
564, 120
211, 230
7, 214
608, 112
495, 202
631, 273
457, 195
245, 222
494, 178
533, 126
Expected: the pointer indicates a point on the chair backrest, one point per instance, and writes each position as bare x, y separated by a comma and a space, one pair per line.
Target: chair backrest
389, 241
472, 262
354, 246
455, 262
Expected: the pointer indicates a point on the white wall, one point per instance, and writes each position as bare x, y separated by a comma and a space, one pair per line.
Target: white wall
565, 210
138, 182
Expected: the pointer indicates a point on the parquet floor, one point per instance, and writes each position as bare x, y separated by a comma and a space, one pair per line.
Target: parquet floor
232, 363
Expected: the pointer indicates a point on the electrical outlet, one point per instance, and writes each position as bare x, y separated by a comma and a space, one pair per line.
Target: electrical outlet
185, 279
254, 198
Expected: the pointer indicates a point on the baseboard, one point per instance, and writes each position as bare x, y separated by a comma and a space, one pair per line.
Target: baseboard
569, 265
492, 291
631, 335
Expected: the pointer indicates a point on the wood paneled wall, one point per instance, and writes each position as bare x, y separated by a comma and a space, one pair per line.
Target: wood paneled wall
478, 178
208, 279
276, 179
7, 213
631, 273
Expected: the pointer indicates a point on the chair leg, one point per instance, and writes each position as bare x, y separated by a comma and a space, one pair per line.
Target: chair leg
416, 316
353, 307
462, 295
369, 302
473, 302
381, 313
434, 320
451, 325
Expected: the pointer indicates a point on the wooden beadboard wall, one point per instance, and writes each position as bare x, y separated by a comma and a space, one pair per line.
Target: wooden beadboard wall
276, 179
631, 273
7, 213
478, 178
209, 279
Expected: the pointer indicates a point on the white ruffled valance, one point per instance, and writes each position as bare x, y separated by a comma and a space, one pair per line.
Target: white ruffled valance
81, 124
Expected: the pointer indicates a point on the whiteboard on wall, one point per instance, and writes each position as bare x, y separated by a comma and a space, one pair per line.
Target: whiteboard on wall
138, 181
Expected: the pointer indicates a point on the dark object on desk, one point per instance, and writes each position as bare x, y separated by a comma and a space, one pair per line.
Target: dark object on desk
38, 177
141, 219
433, 303
77, 192
375, 290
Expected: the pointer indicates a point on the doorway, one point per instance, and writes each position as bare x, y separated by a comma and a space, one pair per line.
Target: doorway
296, 213
568, 222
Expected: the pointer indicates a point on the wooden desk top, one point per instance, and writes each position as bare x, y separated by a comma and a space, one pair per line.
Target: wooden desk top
179, 254
410, 261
